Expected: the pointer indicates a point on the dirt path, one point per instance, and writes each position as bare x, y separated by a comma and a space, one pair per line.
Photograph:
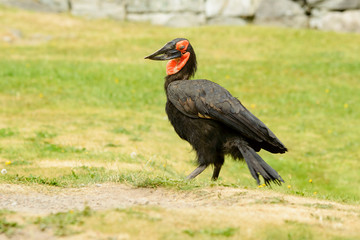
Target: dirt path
259, 205
44, 200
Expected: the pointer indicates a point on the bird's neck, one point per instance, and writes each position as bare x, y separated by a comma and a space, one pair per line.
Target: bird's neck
175, 77
184, 74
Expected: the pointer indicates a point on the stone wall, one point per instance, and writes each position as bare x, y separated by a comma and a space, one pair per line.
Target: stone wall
333, 15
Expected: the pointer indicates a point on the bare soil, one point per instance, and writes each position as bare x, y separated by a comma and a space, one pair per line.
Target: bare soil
256, 205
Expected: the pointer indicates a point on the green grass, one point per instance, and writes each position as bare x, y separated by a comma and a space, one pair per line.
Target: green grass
63, 223
7, 227
88, 96
227, 232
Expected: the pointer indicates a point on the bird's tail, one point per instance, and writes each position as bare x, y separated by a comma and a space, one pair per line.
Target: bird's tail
258, 166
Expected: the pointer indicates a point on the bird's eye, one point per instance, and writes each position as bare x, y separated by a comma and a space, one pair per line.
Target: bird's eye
182, 46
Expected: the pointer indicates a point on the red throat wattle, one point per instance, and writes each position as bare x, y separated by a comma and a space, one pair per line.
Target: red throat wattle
175, 65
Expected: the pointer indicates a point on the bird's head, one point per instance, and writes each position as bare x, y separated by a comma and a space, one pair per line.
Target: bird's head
181, 55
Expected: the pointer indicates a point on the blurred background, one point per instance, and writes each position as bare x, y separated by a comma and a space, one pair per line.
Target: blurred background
335, 15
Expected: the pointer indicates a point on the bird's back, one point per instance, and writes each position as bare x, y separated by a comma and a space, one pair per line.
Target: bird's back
205, 99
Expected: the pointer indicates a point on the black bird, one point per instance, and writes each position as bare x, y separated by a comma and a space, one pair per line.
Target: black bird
213, 121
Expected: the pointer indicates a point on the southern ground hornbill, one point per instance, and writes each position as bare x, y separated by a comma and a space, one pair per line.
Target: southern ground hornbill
213, 121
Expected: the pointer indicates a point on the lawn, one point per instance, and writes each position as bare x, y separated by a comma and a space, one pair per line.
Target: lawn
81, 106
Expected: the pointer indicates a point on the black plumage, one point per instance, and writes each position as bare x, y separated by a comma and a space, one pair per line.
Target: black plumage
213, 121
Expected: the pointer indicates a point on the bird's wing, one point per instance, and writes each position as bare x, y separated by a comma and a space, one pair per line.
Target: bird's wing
206, 99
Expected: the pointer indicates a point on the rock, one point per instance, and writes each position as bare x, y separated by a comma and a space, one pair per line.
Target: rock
56, 5
39, 5
348, 21
178, 19
141, 6
99, 8
169, 19
138, 6
138, 17
184, 13
334, 4
230, 8
281, 12
226, 21
176, 6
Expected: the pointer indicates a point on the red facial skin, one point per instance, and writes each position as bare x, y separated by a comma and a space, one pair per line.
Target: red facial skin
175, 65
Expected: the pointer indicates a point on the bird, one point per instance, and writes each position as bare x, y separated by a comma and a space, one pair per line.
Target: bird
214, 122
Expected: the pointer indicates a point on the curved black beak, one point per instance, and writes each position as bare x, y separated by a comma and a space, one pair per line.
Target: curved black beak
167, 52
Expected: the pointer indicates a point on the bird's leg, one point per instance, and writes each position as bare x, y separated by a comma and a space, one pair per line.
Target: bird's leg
217, 168
197, 171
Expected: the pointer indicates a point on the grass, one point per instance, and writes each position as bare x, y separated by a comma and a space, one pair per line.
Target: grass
227, 232
83, 92
77, 99
157, 223
7, 227
63, 223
